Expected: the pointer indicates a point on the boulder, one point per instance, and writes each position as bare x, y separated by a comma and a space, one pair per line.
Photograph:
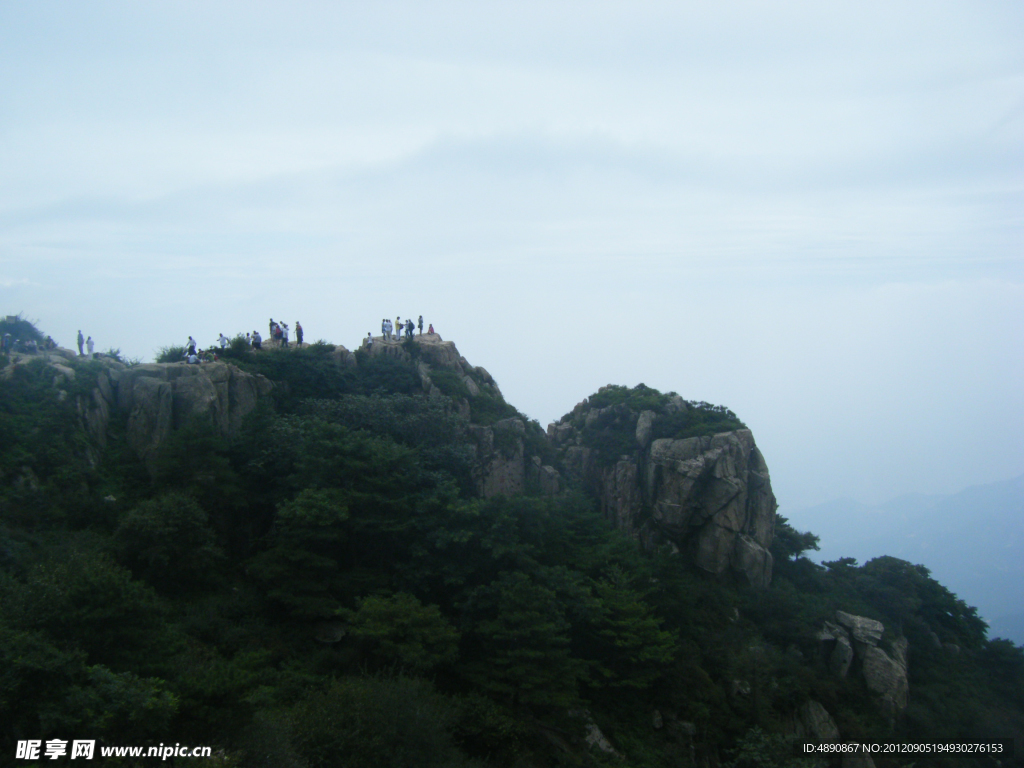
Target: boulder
887, 677
864, 630
812, 722
884, 673
474, 390
644, 424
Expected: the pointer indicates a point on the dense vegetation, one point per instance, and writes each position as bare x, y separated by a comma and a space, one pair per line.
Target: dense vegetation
325, 589
608, 425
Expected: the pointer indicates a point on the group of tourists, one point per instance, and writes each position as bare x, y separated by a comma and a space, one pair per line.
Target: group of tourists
389, 330
392, 331
280, 332
10, 345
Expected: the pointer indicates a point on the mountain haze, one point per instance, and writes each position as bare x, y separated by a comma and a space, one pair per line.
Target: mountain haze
970, 540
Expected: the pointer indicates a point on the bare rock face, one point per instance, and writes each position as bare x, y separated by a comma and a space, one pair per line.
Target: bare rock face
162, 397
713, 496
710, 497
499, 467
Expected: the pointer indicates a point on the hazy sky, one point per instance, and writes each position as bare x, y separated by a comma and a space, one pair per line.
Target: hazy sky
810, 212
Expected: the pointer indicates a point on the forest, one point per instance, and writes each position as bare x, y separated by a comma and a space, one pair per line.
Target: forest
326, 586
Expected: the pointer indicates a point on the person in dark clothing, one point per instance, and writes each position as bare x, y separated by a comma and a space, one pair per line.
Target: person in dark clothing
421, 325
298, 332
81, 341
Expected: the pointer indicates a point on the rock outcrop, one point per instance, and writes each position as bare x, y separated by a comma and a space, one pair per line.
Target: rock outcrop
501, 465
708, 496
852, 642
157, 398
162, 397
499, 468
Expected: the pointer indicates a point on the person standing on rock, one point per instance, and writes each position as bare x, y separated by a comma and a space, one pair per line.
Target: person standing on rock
257, 340
298, 333
409, 328
81, 341
89, 346
224, 341
190, 348
398, 328
421, 325
369, 340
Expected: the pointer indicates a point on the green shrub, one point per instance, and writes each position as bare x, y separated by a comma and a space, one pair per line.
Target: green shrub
170, 354
372, 722
486, 409
450, 383
168, 542
400, 631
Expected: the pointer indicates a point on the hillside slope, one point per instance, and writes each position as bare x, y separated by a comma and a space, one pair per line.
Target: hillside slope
322, 557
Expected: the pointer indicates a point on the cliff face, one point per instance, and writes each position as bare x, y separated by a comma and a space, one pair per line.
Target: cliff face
709, 496
157, 398
162, 397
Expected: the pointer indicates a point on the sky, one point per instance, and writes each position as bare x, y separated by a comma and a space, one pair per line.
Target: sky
812, 213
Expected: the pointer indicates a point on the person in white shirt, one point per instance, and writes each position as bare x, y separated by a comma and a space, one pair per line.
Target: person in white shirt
89, 346
224, 341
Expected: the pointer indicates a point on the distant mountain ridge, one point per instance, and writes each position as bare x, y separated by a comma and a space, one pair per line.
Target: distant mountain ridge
970, 540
